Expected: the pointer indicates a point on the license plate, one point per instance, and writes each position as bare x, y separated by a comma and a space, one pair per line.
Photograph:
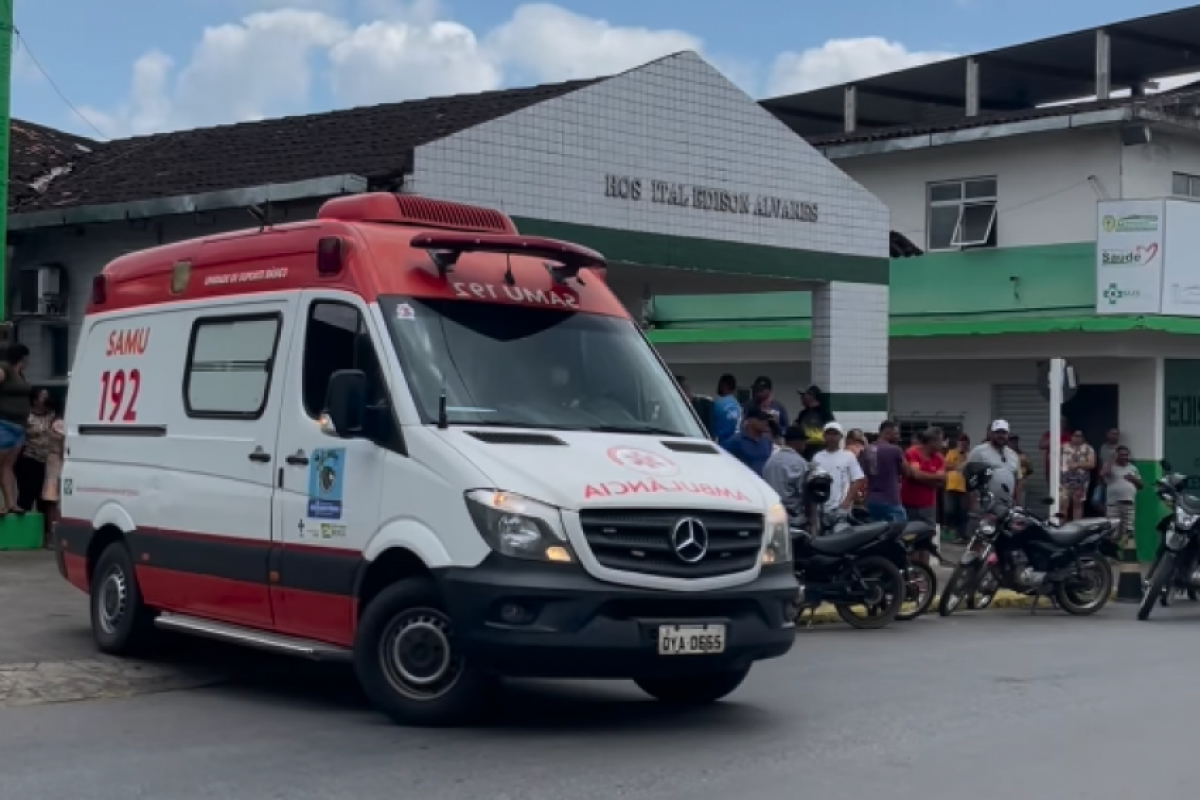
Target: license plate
691, 640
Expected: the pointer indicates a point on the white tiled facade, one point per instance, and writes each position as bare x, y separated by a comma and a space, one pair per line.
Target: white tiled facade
676, 120
850, 345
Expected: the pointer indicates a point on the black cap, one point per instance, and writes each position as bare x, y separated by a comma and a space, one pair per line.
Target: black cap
762, 382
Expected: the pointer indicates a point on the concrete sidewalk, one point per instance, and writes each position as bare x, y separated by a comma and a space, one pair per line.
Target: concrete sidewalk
46, 649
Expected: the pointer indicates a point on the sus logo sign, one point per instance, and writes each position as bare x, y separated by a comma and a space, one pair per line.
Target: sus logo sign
642, 461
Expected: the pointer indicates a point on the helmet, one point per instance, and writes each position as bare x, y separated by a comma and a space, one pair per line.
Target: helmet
818, 486
977, 476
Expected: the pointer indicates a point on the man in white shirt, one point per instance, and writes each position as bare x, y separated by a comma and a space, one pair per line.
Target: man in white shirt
846, 473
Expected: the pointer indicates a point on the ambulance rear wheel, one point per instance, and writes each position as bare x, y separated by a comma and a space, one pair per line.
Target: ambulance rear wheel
407, 659
121, 622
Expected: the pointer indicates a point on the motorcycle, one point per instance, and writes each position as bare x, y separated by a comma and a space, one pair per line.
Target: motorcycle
915, 537
852, 567
1019, 551
1175, 566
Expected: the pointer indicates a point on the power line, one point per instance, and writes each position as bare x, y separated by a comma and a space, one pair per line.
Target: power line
24, 43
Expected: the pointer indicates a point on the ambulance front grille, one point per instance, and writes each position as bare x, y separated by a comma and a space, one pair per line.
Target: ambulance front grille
645, 541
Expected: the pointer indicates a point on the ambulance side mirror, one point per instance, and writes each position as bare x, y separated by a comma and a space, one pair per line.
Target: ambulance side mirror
346, 402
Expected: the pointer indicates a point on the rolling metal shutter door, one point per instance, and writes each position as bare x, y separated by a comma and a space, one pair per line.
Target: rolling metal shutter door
1028, 416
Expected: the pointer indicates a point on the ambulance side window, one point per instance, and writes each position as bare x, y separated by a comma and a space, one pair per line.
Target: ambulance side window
336, 338
229, 365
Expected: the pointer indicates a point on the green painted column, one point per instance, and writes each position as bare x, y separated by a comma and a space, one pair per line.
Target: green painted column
6, 58
1148, 510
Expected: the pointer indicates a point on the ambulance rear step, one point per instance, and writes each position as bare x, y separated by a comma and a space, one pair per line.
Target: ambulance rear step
250, 637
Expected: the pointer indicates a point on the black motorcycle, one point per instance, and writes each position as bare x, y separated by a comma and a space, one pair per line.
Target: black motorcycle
914, 537
853, 567
1016, 550
1176, 565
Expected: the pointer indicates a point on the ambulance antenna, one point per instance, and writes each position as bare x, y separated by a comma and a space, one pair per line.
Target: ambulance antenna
508, 276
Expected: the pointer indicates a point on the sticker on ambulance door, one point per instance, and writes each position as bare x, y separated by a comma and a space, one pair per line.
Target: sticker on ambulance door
405, 311
326, 471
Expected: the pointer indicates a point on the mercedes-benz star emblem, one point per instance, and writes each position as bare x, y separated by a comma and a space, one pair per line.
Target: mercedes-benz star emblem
689, 537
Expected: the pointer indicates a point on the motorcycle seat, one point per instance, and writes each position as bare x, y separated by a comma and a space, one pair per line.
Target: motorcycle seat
836, 544
1072, 533
917, 531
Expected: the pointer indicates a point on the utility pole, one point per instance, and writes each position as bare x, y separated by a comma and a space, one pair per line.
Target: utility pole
7, 31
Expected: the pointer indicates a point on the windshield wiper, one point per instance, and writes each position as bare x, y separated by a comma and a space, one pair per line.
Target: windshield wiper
649, 430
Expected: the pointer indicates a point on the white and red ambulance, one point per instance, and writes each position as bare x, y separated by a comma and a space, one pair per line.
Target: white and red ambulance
405, 435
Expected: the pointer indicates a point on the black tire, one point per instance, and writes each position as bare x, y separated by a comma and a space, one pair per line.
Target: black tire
1159, 580
891, 587
1101, 586
924, 576
693, 690
122, 625
435, 687
985, 591
961, 586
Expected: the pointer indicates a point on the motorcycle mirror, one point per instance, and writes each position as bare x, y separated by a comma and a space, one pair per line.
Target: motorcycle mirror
1166, 465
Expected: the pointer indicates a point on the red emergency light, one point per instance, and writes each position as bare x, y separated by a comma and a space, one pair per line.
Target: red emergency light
447, 247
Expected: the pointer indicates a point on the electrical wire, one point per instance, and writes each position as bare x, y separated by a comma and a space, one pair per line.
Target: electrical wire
24, 44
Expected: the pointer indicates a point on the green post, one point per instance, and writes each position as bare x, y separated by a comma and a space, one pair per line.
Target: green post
7, 30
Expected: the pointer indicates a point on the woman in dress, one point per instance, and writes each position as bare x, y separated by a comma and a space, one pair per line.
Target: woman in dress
1078, 461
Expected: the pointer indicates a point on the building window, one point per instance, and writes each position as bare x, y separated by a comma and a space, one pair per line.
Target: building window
962, 214
228, 371
1184, 185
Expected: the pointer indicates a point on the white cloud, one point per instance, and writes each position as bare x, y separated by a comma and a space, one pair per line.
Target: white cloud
284, 60
844, 60
549, 43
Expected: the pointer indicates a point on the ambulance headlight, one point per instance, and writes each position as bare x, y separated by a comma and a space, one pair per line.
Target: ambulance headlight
777, 541
519, 527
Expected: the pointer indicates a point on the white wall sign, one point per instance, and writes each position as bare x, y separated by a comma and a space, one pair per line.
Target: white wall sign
1181, 264
1129, 256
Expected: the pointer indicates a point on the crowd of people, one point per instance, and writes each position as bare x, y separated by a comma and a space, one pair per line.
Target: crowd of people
32, 442
921, 481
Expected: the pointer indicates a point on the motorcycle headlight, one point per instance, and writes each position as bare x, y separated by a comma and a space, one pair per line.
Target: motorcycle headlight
1183, 519
987, 527
519, 527
777, 541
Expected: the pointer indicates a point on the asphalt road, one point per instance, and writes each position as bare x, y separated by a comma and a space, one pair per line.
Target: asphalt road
987, 705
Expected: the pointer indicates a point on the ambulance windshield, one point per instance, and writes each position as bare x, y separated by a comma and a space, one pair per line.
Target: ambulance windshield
516, 366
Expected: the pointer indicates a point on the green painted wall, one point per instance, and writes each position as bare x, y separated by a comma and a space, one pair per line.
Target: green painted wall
1034, 281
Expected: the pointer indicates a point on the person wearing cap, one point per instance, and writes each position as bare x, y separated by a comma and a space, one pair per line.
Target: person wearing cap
785, 471
925, 476
843, 468
1005, 463
815, 416
753, 444
762, 396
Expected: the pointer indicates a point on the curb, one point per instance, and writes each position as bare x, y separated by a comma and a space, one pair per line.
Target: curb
826, 615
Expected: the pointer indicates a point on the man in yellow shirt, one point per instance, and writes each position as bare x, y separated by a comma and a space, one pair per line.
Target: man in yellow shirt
958, 502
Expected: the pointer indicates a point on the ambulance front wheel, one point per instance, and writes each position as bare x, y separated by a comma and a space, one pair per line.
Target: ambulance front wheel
408, 663
121, 622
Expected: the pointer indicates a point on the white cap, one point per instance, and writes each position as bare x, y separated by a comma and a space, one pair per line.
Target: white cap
1000, 425
833, 426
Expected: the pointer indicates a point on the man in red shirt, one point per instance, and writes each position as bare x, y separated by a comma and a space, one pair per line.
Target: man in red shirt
924, 478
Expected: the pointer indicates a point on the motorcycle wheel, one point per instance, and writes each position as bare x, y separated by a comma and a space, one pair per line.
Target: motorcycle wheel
981, 599
888, 590
921, 587
1164, 570
1096, 575
961, 585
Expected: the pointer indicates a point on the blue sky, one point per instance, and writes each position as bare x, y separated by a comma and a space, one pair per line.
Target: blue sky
140, 66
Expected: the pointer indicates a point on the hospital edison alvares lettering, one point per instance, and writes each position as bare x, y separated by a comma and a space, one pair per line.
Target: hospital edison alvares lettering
680, 194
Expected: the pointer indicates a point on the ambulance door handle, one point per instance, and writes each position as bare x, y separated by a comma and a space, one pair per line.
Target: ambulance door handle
297, 459
260, 455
